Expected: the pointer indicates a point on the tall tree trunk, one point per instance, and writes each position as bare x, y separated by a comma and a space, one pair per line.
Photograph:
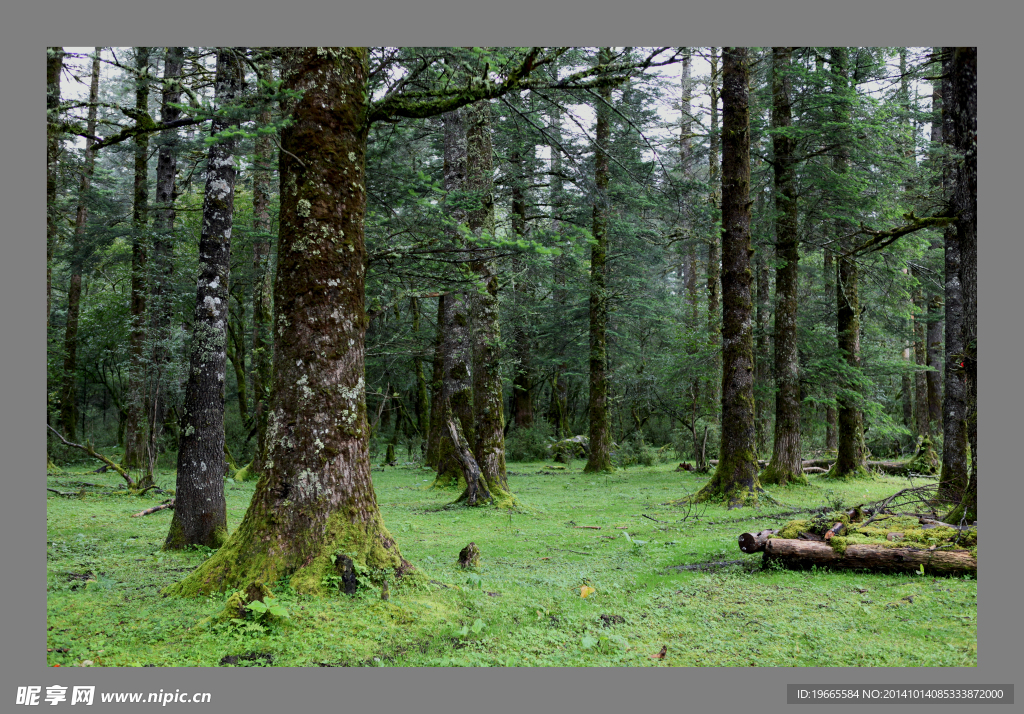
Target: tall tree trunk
315, 498
488, 399
735, 478
600, 426
433, 455
163, 242
54, 66
762, 366
264, 165
422, 398
963, 110
68, 401
558, 405
831, 413
136, 440
714, 257
934, 352
851, 457
522, 380
457, 346
920, 359
786, 462
200, 513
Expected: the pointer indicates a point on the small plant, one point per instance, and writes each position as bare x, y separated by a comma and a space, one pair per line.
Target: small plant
476, 628
473, 582
267, 609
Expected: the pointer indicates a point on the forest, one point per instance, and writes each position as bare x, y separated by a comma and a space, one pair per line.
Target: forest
512, 356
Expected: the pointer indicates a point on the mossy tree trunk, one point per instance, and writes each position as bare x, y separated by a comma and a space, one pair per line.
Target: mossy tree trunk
522, 337
457, 345
488, 397
558, 404
921, 425
163, 243
315, 498
785, 465
963, 110
69, 388
851, 457
600, 458
831, 418
200, 512
735, 478
136, 442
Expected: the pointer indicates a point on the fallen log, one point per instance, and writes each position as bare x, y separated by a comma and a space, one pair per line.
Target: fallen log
792, 553
154, 509
754, 542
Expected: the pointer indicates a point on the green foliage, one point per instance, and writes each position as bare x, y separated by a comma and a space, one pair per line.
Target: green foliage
529, 444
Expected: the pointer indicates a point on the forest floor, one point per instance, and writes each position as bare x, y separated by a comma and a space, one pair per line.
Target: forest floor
523, 605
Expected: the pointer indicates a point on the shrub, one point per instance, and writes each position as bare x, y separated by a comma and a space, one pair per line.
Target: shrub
529, 444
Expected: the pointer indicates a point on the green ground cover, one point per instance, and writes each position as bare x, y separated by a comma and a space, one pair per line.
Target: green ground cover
523, 604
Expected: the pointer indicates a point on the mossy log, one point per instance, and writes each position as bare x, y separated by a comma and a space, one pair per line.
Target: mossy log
793, 553
755, 542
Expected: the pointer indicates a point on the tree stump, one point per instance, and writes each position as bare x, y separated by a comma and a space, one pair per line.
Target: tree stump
469, 557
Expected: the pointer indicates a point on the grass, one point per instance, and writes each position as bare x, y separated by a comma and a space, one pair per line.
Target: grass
522, 605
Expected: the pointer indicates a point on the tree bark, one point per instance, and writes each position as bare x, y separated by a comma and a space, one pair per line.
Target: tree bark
315, 498
794, 553
714, 255
735, 478
457, 345
422, 399
600, 458
163, 242
963, 109
200, 513
851, 456
488, 398
785, 466
69, 389
921, 423
136, 441
54, 66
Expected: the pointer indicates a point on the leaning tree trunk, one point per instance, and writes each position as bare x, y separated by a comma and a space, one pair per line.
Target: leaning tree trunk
488, 397
315, 498
600, 458
963, 107
785, 466
200, 513
735, 478
163, 243
69, 387
850, 457
457, 345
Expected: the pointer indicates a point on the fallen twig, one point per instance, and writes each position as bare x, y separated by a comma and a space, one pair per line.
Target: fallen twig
154, 509
87, 448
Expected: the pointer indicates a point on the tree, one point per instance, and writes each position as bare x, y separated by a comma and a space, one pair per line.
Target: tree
136, 442
786, 462
599, 458
962, 100
736, 475
54, 65
851, 457
200, 512
69, 388
488, 400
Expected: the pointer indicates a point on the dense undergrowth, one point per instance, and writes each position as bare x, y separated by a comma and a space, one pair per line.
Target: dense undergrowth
523, 605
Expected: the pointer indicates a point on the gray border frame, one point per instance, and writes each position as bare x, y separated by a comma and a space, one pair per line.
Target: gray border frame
22, 509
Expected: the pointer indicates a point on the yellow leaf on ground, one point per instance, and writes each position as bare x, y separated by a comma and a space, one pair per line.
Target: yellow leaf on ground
586, 591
